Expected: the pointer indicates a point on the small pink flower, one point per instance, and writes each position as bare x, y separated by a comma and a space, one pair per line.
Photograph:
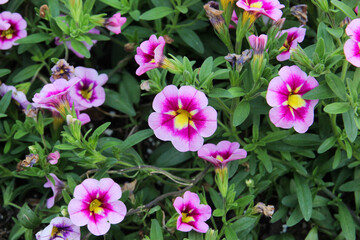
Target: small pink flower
18, 96
258, 44
235, 19
3, 1
114, 23
88, 92
351, 46
57, 188
182, 117
285, 93
53, 157
88, 46
295, 36
192, 214
270, 8
150, 54
222, 153
12, 28
59, 228
96, 205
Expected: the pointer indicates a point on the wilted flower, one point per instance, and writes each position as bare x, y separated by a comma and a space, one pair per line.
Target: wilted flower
222, 153
54, 96
192, 214
254, 8
294, 36
96, 205
57, 188
44, 11
267, 210
215, 15
285, 93
88, 46
182, 117
88, 92
62, 70
129, 47
239, 60
114, 23
300, 12
351, 46
150, 54
18, 96
53, 157
29, 161
12, 28
59, 228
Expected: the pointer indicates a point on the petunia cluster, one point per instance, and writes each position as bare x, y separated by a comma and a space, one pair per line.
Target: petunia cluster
79, 88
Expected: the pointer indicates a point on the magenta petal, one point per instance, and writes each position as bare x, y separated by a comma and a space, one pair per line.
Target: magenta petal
179, 204
201, 227
206, 121
353, 30
162, 124
281, 117
117, 212
109, 189
352, 52
183, 227
191, 198
79, 212
89, 187
192, 99
98, 225
166, 100
188, 139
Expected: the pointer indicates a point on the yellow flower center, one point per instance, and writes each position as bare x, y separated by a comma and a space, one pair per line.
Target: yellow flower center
87, 93
54, 231
296, 101
186, 219
220, 158
8, 34
183, 119
95, 206
256, 5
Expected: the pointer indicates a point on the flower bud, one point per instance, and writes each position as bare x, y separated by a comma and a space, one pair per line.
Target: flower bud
44, 11
250, 183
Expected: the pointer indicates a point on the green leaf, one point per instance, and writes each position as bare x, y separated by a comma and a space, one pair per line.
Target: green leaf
118, 102
218, 212
327, 144
113, 3
320, 92
344, 8
346, 222
65, 146
4, 72
265, 160
206, 69
26, 73
156, 13
320, 47
313, 234
241, 112
230, 233
191, 39
351, 186
337, 158
155, 231
304, 196
135, 139
336, 85
80, 48
337, 108
350, 125
167, 156
35, 38
295, 217
28, 218
101, 129
335, 32
275, 136
182, 9
5, 101
54, 8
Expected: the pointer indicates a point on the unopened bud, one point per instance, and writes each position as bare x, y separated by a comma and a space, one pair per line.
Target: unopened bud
250, 183
44, 11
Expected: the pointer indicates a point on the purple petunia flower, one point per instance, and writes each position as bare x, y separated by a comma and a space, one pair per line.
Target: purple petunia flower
114, 23
96, 205
351, 46
18, 96
183, 117
295, 36
192, 214
285, 93
12, 28
150, 54
62, 70
57, 188
58, 229
269, 8
88, 92
222, 153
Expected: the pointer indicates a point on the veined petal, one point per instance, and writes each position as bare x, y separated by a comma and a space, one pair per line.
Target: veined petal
115, 211
192, 99
281, 117
109, 190
98, 225
79, 212
352, 52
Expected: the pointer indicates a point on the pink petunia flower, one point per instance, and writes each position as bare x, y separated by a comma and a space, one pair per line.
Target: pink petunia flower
53, 157
57, 188
258, 44
18, 96
88, 46
269, 8
3, 1
222, 153
115, 22
183, 117
285, 93
59, 228
88, 92
351, 46
96, 205
192, 214
12, 28
295, 36
150, 54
